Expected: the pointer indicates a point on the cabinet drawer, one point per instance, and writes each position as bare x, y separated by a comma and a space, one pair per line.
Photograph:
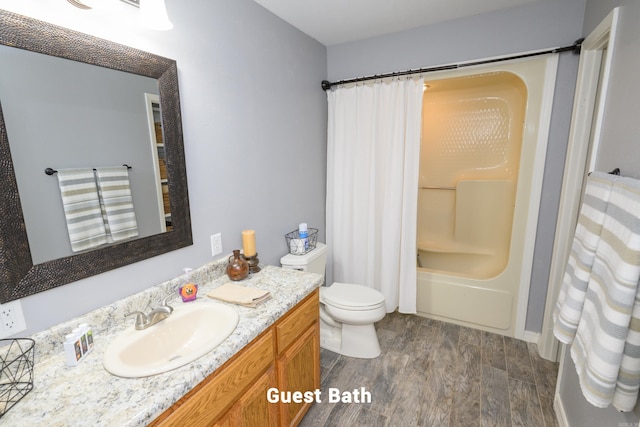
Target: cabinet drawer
213, 396
297, 321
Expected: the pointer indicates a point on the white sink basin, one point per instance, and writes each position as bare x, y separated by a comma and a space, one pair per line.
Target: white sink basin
191, 331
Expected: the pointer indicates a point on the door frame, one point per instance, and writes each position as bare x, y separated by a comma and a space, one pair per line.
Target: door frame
584, 139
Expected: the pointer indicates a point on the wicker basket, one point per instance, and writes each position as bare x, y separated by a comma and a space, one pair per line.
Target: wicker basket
296, 245
16, 371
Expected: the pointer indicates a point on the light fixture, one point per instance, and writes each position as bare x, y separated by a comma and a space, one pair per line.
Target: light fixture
153, 14
79, 5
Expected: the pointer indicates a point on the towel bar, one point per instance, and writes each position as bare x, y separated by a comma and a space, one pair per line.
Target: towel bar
50, 171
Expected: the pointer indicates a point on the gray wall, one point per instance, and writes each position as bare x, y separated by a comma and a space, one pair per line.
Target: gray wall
619, 148
254, 120
531, 27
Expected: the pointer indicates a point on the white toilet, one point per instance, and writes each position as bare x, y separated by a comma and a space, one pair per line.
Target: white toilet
347, 311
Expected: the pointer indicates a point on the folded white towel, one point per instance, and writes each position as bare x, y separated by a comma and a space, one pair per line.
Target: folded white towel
81, 209
603, 330
568, 309
115, 192
237, 294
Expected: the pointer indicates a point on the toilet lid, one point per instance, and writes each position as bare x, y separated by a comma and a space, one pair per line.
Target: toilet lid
349, 296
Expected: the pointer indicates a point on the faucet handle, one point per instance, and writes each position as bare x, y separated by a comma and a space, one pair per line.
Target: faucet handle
141, 319
165, 301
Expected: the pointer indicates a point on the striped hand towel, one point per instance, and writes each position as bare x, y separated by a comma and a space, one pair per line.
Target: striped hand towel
604, 327
568, 309
628, 384
115, 192
82, 209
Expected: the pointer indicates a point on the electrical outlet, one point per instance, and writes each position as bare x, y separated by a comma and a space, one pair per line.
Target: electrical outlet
216, 244
11, 319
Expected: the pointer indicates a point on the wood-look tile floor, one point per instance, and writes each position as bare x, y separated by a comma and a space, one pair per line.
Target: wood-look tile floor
432, 373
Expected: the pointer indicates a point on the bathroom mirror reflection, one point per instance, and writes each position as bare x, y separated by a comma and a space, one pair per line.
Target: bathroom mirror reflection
62, 114
69, 100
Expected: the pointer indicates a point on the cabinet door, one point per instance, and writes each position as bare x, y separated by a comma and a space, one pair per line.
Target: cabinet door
253, 409
230, 419
299, 370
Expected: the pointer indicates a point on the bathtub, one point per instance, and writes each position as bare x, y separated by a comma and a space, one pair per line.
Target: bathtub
480, 185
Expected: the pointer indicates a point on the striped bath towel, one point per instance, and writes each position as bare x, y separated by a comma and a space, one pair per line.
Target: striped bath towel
628, 384
115, 192
81, 209
568, 309
606, 330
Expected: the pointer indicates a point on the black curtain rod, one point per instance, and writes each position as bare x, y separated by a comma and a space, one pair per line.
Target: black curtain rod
575, 48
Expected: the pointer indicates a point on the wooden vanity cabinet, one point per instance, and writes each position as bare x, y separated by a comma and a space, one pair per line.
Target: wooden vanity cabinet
285, 356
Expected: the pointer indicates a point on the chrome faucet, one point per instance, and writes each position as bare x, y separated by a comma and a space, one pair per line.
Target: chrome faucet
158, 314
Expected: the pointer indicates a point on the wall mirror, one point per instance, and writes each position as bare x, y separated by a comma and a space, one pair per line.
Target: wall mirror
23, 271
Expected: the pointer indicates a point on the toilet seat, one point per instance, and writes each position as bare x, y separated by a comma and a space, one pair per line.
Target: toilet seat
352, 297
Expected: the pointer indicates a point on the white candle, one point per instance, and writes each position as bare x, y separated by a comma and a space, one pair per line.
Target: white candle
249, 242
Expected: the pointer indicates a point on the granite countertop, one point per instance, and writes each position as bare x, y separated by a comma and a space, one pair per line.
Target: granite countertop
88, 395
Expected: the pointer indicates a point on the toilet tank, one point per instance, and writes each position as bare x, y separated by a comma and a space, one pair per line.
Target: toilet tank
313, 261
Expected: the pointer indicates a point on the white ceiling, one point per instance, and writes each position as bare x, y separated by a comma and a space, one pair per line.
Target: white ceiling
338, 21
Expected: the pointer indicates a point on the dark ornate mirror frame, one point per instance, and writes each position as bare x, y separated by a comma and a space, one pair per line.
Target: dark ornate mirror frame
18, 276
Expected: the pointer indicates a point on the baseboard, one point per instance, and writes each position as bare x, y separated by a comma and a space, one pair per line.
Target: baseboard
531, 337
561, 415
549, 346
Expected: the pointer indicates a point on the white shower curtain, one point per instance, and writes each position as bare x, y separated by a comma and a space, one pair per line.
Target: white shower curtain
373, 152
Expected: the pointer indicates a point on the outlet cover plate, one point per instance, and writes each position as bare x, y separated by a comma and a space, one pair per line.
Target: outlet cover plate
216, 244
11, 319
